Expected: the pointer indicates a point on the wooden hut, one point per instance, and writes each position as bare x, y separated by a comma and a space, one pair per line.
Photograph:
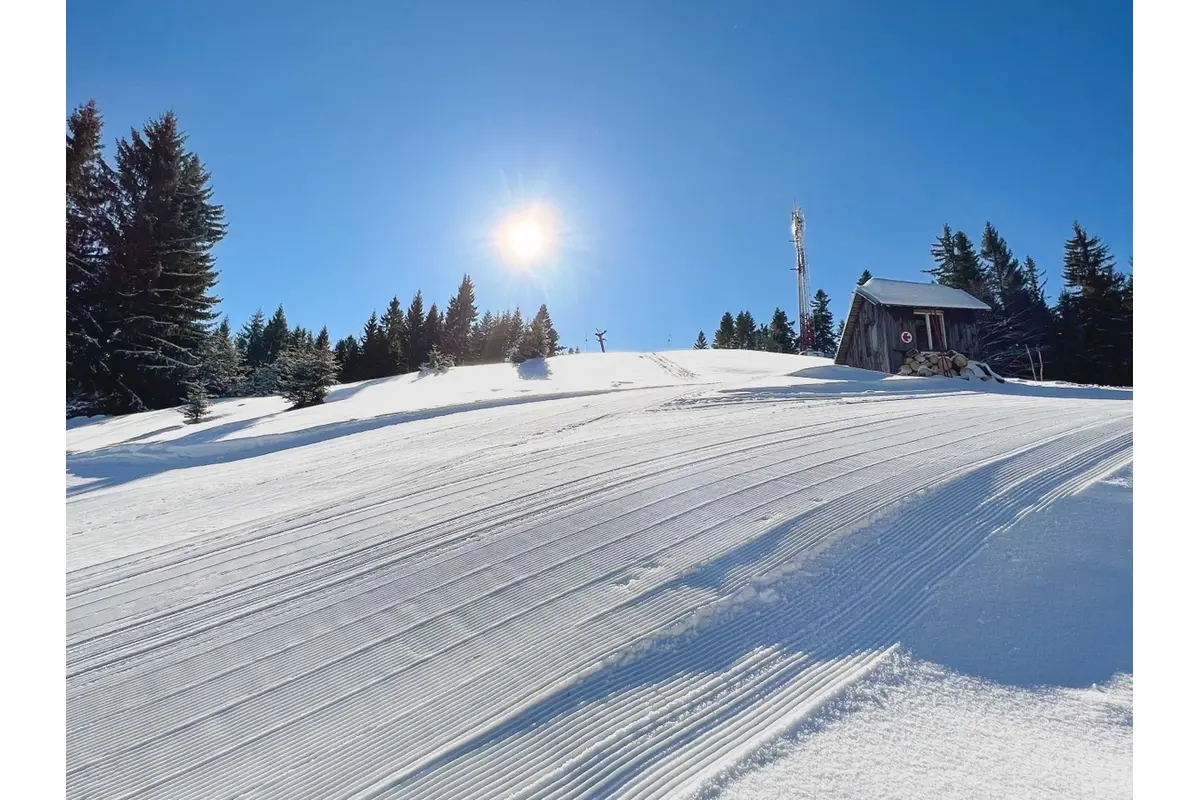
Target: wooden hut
887, 319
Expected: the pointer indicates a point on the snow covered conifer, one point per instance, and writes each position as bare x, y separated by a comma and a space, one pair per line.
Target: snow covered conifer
306, 375
701, 342
438, 361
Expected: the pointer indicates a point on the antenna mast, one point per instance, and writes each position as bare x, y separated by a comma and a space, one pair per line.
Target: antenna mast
801, 270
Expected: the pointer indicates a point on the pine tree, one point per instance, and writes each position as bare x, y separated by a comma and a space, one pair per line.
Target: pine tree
701, 342
543, 316
726, 333
838, 336
745, 335
251, 342
348, 353
376, 361
221, 363
414, 346
196, 407
437, 362
393, 331
461, 313
1019, 319
824, 340
435, 326
534, 343
957, 264
89, 185
866, 276
322, 341
161, 271
306, 375
1094, 335
275, 335
516, 331
780, 335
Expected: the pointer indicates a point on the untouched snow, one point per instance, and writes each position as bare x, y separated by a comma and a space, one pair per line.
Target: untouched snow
635, 575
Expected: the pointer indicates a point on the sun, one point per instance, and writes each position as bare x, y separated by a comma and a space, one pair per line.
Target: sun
525, 236
525, 239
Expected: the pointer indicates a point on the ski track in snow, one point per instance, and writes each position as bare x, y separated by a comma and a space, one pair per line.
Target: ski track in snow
615, 594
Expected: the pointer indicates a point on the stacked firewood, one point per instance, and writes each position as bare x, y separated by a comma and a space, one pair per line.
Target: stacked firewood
928, 363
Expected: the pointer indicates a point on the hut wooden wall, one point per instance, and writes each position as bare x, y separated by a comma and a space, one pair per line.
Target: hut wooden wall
874, 334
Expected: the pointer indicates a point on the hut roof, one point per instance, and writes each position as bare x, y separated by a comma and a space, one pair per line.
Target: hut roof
918, 295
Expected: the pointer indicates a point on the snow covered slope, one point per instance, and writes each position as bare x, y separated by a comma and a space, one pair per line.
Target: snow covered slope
619, 574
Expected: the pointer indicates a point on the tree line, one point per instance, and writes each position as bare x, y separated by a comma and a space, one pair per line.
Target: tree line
1086, 336
742, 332
142, 330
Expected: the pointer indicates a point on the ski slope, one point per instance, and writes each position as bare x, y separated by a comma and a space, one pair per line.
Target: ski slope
599, 575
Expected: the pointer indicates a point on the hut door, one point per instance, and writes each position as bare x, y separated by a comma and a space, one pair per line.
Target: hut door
933, 337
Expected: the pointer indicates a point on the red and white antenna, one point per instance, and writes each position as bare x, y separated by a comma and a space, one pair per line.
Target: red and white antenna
801, 270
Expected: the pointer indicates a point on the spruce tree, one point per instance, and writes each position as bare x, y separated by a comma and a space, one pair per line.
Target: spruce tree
251, 340
89, 185
543, 316
220, 363
516, 331
1094, 336
348, 353
726, 333
824, 339
196, 407
534, 343
780, 335
841, 328
435, 326
275, 335
306, 375
414, 346
376, 361
745, 335
701, 342
393, 331
957, 264
161, 270
866, 276
461, 314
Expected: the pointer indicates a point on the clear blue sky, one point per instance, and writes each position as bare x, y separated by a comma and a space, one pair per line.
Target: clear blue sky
363, 149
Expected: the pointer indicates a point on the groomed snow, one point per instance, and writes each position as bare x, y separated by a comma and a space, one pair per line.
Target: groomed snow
603, 575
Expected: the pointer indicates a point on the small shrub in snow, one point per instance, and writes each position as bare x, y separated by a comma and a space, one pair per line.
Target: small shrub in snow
197, 407
534, 343
437, 362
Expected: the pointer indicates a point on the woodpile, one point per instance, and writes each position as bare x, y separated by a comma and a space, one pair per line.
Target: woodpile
949, 364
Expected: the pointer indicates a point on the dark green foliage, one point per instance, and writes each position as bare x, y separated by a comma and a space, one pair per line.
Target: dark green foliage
220, 362
957, 264
251, 342
514, 333
275, 335
348, 353
745, 332
701, 342
306, 373
866, 276
534, 343
1093, 336
543, 317
154, 249
89, 187
780, 335
393, 331
824, 340
838, 336
461, 314
196, 407
435, 326
726, 333
413, 345
376, 359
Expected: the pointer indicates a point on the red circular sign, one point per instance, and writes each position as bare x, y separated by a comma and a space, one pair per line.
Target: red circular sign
906, 337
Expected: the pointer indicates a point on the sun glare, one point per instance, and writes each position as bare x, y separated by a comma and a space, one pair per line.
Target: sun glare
525, 237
